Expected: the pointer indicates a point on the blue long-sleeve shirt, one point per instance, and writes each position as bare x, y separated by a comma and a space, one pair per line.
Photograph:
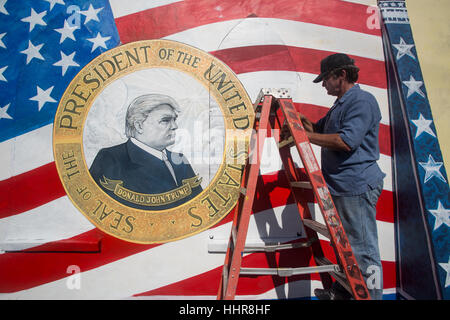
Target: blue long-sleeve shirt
356, 118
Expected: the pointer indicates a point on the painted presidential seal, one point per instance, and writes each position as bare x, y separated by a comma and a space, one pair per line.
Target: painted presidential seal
150, 140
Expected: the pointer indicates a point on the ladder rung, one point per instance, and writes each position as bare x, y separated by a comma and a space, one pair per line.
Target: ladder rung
322, 261
221, 247
276, 247
316, 226
286, 142
301, 184
287, 272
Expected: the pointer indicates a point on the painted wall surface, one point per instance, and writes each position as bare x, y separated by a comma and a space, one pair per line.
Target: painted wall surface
431, 30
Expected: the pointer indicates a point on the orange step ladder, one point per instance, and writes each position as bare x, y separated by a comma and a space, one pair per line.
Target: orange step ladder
274, 109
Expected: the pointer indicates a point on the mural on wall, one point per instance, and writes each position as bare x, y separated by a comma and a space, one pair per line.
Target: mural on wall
45, 44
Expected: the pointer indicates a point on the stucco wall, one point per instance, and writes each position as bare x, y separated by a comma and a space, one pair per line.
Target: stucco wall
431, 31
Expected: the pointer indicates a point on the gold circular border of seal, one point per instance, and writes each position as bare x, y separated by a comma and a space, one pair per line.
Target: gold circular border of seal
146, 226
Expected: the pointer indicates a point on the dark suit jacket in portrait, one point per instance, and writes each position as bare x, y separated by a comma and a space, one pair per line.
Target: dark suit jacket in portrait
142, 173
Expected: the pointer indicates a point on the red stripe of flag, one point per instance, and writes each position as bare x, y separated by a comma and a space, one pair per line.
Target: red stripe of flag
30, 190
166, 20
288, 58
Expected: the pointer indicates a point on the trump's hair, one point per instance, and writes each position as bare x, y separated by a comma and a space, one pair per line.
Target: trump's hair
142, 106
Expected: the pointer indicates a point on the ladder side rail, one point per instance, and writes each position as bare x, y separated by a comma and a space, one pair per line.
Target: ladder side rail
237, 214
236, 218
232, 239
238, 207
258, 137
338, 236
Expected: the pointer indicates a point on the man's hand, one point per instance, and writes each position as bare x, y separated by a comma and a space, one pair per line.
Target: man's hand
307, 124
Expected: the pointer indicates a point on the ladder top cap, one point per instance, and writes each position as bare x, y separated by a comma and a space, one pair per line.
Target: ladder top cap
277, 92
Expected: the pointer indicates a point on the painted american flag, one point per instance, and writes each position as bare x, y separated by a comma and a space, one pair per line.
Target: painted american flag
45, 241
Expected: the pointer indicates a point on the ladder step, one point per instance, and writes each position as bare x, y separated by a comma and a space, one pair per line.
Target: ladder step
287, 272
322, 261
220, 246
301, 184
289, 142
276, 247
316, 226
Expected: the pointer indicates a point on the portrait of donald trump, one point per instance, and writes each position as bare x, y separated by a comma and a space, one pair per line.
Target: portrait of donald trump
143, 165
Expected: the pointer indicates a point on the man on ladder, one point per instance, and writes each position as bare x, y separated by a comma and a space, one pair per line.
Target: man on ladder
348, 135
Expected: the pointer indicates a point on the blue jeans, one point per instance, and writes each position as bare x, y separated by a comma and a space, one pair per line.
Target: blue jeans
358, 216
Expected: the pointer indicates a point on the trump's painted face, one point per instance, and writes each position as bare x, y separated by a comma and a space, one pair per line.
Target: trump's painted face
158, 130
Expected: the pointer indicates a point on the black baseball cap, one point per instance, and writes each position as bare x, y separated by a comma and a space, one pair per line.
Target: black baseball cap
334, 62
